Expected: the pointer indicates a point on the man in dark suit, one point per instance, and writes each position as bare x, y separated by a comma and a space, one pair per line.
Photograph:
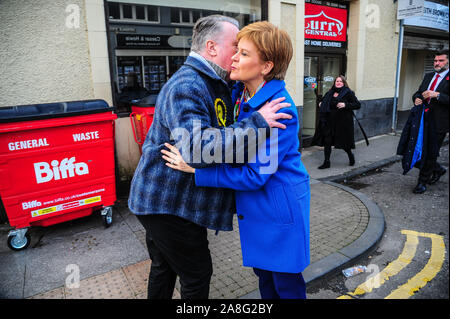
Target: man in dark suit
433, 93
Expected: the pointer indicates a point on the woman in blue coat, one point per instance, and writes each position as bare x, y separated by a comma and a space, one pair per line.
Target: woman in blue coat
272, 188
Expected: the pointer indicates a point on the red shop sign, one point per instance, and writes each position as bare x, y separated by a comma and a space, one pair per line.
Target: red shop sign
325, 23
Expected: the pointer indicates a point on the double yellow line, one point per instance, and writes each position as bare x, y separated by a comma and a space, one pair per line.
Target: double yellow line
417, 282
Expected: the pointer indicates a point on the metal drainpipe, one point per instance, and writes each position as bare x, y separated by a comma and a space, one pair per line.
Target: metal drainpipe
397, 76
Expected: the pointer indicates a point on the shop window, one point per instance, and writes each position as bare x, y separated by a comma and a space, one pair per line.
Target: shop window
114, 10
125, 66
155, 75
127, 11
185, 16
196, 15
175, 62
174, 15
152, 13
140, 12
153, 64
208, 12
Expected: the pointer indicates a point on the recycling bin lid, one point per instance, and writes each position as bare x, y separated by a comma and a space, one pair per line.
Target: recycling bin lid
51, 110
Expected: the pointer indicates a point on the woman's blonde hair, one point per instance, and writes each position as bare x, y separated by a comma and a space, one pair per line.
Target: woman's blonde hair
272, 44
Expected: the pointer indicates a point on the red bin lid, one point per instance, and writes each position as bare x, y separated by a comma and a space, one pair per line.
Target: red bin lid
52, 110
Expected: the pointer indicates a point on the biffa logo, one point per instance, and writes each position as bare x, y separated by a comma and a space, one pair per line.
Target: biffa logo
31, 204
67, 168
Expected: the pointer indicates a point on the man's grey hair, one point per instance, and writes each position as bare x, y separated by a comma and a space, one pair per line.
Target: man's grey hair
209, 28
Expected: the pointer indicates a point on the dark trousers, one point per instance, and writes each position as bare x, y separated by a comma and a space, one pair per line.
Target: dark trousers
177, 247
278, 285
431, 165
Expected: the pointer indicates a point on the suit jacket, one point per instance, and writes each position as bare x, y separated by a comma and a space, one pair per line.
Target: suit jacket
438, 107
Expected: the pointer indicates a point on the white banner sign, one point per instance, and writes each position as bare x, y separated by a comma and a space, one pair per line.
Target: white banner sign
434, 16
409, 8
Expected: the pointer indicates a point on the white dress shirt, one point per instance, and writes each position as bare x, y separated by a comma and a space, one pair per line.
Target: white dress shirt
441, 77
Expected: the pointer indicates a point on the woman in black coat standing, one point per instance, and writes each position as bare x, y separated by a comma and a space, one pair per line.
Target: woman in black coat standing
335, 126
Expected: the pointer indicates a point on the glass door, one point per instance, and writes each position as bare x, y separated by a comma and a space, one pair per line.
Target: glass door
310, 91
330, 69
319, 75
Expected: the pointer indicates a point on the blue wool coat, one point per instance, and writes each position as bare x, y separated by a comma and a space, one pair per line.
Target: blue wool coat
195, 103
272, 197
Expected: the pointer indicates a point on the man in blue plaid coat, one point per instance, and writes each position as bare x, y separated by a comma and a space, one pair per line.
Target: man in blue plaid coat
194, 103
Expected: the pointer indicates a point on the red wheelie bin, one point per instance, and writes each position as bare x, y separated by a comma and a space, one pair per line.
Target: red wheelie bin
56, 164
141, 117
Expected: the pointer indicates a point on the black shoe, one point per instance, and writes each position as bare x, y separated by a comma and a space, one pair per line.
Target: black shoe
420, 188
436, 176
325, 164
351, 159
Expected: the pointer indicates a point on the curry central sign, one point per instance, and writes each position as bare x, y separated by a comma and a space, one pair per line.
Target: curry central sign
325, 26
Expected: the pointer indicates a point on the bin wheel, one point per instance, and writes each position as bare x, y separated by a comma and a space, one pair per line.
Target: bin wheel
17, 244
107, 216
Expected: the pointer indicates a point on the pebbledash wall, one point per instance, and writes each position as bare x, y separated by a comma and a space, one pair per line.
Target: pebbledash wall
58, 51
53, 51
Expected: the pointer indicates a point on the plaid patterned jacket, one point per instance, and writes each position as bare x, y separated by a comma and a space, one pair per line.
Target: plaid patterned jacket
194, 99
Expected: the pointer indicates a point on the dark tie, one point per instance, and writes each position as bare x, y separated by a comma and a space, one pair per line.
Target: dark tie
433, 86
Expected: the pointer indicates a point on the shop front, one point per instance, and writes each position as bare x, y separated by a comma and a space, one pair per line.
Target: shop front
325, 56
151, 39
148, 41
423, 36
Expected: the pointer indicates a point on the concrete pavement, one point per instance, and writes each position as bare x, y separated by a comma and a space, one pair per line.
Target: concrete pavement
81, 259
